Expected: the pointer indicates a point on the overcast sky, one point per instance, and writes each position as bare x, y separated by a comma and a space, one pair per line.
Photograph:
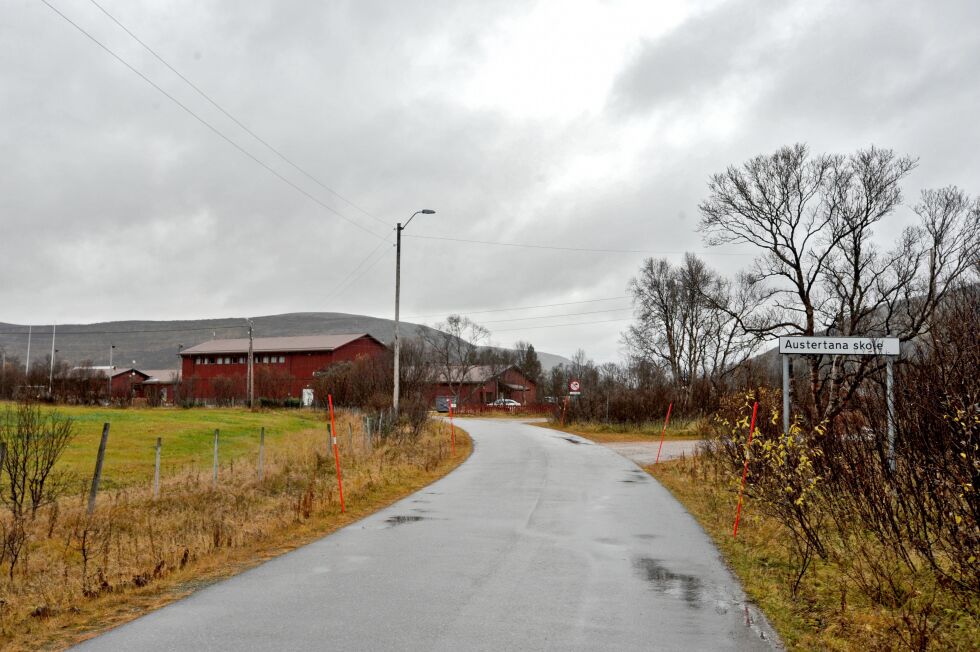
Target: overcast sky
588, 125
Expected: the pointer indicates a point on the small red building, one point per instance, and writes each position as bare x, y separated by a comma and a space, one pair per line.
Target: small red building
160, 386
283, 366
483, 384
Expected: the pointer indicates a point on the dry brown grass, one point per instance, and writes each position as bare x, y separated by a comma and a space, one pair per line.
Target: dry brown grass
826, 612
79, 575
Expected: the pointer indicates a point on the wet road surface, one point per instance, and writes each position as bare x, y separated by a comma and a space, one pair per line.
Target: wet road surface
540, 541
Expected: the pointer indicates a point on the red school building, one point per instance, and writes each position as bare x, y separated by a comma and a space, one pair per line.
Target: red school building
284, 366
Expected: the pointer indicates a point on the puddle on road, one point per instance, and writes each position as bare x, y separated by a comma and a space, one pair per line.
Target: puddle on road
667, 581
637, 477
646, 537
402, 519
577, 442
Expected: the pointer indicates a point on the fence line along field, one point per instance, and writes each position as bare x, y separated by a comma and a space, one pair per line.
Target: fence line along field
188, 438
65, 573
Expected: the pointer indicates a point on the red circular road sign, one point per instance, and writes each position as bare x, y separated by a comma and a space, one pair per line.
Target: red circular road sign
574, 386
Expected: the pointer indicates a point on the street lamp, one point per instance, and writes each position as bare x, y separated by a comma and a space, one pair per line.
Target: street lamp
398, 284
54, 354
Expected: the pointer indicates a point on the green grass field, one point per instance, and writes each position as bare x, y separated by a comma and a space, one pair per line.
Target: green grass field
188, 438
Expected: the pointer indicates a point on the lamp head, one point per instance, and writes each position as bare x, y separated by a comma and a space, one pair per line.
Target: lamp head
427, 211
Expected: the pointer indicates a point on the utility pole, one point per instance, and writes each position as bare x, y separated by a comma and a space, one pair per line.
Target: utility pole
251, 369
27, 369
398, 285
54, 328
111, 349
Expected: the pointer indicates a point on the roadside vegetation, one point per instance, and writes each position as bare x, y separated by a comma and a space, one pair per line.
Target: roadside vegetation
829, 609
839, 549
65, 573
845, 542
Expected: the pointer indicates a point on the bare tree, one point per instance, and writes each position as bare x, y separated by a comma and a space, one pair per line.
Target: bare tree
820, 272
688, 320
34, 443
454, 348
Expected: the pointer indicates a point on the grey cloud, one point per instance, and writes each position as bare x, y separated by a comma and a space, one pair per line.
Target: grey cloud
114, 203
695, 57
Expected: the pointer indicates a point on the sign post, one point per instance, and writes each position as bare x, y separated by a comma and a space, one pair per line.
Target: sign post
574, 388
888, 347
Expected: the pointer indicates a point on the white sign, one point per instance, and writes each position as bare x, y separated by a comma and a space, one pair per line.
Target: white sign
839, 345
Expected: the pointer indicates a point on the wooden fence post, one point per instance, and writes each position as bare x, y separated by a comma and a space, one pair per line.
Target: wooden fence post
97, 477
156, 471
261, 450
214, 478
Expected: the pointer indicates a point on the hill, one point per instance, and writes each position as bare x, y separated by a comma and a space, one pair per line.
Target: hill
154, 344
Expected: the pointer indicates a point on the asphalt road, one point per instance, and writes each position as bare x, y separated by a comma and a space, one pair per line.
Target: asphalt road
540, 541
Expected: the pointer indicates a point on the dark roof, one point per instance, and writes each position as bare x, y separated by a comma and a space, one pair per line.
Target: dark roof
475, 375
161, 376
277, 344
129, 370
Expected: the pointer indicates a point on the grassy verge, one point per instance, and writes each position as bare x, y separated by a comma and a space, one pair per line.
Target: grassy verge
827, 612
78, 575
682, 429
188, 438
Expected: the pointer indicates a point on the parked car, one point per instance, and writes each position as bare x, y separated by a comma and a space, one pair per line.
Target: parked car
504, 402
443, 403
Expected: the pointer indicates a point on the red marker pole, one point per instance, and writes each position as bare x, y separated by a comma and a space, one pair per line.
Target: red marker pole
452, 428
336, 455
563, 410
745, 470
664, 433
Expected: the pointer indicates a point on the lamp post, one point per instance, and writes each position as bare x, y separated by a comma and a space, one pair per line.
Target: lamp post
398, 283
54, 354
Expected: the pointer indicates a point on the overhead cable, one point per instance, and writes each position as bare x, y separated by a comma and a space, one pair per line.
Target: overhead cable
567, 314
582, 249
207, 124
544, 305
583, 323
238, 122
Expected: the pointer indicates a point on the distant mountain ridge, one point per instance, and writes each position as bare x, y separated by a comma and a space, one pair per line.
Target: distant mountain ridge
154, 344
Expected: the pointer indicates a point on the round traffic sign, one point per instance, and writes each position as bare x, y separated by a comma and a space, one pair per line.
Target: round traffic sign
574, 386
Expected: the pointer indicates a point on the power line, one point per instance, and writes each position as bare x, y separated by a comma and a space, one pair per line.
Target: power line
135, 331
344, 284
582, 249
544, 305
233, 118
207, 124
582, 323
567, 314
